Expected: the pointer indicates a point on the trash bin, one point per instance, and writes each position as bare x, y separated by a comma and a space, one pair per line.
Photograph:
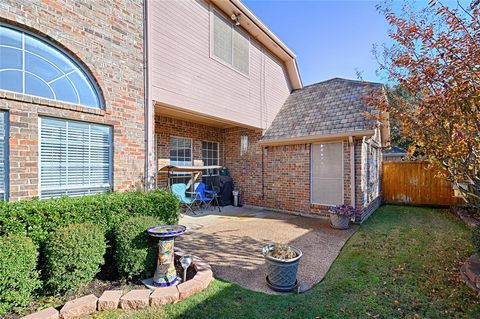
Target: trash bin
235, 198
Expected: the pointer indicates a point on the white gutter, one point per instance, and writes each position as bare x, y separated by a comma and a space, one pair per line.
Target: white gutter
262, 26
315, 138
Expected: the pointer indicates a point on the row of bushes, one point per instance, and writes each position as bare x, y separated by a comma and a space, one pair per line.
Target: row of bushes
71, 253
37, 218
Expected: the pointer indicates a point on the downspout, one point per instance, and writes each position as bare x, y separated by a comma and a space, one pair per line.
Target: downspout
147, 105
351, 142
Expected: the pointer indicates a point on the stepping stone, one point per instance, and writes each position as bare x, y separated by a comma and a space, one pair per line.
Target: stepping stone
163, 296
49, 313
109, 300
189, 287
135, 299
79, 307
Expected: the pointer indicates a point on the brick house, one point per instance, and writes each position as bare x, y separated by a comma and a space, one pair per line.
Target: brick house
80, 115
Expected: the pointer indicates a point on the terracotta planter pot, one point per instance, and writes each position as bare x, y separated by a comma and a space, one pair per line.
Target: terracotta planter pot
339, 222
282, 274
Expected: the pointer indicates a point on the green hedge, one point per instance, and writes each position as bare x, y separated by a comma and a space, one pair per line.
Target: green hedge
73, 256
18, 274
37, 218
135, 251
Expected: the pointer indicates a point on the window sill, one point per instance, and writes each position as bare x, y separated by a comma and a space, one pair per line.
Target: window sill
231, 67
7, 95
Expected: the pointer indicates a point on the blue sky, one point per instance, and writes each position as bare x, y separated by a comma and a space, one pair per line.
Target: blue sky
330, 38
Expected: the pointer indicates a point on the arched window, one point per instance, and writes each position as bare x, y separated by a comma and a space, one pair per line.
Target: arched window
33, 66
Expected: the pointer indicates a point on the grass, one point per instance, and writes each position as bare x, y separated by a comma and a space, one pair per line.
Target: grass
402, 263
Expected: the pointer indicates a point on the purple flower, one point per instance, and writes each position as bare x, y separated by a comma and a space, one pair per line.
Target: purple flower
343, 210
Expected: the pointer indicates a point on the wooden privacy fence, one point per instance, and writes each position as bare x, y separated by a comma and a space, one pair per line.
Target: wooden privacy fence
412, 183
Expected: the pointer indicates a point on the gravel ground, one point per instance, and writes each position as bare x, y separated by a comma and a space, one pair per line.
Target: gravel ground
232, 242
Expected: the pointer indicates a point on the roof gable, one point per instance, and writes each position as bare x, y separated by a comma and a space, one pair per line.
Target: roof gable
331, 107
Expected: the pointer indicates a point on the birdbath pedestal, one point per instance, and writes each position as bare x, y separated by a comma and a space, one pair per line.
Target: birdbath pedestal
165, 274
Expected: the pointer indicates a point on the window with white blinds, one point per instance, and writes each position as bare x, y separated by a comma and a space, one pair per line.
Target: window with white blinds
230, 44
75, 158
327, 174
3, 156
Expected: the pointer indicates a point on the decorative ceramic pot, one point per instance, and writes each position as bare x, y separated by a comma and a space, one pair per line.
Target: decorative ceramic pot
282, 274
339, 222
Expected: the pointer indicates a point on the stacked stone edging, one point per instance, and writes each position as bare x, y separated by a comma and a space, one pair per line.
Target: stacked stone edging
471, 272
134, 299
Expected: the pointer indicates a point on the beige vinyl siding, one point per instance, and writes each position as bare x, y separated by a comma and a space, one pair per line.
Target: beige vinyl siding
184, 73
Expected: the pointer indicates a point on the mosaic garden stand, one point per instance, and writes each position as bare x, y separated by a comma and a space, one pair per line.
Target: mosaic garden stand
165, 274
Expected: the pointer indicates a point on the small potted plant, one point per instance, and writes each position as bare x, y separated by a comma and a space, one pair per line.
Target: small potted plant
340, 216
282, 264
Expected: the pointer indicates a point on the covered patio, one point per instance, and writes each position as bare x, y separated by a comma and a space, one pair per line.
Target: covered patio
231, 242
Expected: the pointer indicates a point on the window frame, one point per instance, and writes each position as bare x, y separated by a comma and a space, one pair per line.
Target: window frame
342, 178
180, 175
74, 60
110, 154
233, 27
6, 152
218, 157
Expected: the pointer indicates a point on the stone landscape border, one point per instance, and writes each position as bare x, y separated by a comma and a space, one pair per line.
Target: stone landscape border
471, 272
133, 299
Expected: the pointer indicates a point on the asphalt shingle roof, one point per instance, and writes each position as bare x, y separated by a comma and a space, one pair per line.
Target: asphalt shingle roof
330, 107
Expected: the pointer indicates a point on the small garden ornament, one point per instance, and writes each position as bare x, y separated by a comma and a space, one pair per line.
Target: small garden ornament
340, 216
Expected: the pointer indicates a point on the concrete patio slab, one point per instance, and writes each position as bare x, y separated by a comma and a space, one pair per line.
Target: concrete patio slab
231, 242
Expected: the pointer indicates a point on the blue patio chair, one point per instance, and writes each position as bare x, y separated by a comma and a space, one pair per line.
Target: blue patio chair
205, 196
180, 190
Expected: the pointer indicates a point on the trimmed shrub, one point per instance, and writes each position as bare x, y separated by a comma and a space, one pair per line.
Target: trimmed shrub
135, 251
476, 238
37, 218
73, 256
18, 274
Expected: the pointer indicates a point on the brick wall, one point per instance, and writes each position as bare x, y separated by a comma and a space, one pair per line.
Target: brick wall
245, 169
287, 179
105, 36
166, 127
276, 177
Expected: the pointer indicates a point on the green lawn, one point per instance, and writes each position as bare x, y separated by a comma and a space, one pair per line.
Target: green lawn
402, 263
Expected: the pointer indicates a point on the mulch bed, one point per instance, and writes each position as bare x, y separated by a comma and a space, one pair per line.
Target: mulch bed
96, 287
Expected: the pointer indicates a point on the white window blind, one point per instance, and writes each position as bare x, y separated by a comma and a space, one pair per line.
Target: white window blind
3, 154
241, 46
370, 173
75, 158
327, 174
230, 44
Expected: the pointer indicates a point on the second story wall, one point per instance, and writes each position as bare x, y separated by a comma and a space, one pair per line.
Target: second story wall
184, 73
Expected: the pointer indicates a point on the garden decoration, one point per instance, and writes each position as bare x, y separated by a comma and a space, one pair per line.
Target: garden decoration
340, 216
185, 261
282, 265
165, 274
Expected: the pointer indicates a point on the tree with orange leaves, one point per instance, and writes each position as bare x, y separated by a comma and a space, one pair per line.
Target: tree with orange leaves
435, 58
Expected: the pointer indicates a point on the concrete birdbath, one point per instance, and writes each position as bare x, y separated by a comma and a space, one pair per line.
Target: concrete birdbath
165, 274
